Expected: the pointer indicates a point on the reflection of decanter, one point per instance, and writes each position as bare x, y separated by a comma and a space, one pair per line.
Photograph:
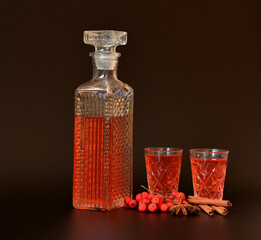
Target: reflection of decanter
103, 143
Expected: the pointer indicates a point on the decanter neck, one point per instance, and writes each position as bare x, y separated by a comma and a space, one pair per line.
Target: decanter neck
109, 71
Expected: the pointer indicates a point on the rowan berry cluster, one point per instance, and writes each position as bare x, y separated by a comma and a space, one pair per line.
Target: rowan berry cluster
152, 202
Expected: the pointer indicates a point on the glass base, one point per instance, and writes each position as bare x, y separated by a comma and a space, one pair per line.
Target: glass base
96, 208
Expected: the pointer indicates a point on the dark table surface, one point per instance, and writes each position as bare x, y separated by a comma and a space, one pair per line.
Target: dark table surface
51, 216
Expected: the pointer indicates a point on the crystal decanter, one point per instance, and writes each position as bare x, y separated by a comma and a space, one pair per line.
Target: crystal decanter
103, 137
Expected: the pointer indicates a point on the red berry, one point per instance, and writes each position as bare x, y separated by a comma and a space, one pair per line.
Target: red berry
170, 204
138, 197
133, 203
150, 196
157, 200
180, 195
164, 207
127, 201
144, 195
145, 201
174, 195
142, 207
152, 207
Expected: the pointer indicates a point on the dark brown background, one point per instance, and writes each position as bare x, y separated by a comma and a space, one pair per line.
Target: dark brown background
195, 69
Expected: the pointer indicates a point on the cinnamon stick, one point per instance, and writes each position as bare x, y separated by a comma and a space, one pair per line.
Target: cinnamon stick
221, 210
206, 201
196, 197
207, 209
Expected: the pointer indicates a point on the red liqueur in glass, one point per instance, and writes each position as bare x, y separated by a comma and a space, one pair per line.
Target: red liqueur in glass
208, 168
163, 169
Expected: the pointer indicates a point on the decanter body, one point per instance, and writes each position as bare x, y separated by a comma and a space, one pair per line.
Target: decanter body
103, 140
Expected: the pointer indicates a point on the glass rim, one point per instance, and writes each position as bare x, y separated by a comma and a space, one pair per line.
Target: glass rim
208, 150
163, 149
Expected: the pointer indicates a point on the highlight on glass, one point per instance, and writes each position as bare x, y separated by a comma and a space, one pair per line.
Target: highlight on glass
163, 166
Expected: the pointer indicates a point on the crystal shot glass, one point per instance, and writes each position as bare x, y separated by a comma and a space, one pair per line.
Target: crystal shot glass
163, 166
208, 168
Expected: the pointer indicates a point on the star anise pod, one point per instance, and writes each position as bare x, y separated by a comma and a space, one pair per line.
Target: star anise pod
183, 208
